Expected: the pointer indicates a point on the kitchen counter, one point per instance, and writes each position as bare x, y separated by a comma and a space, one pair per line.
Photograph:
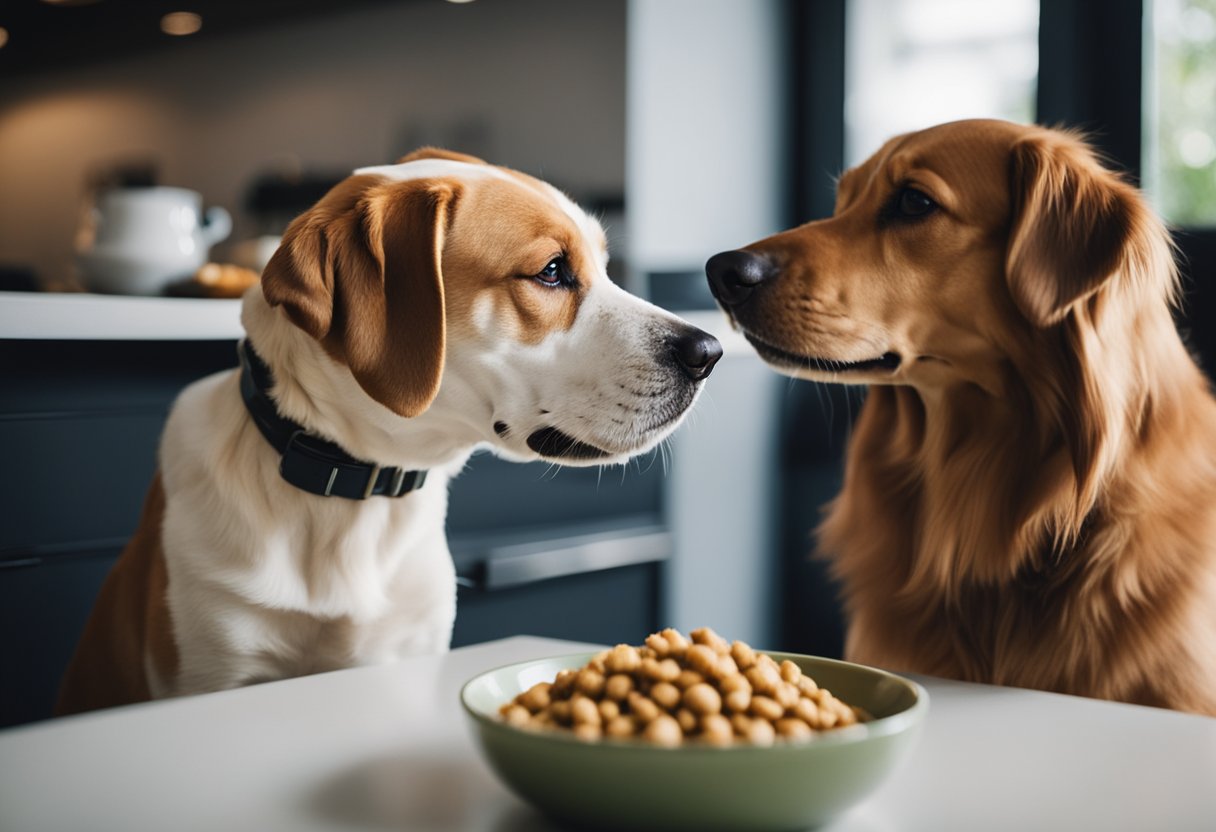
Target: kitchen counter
48, 316
387, 748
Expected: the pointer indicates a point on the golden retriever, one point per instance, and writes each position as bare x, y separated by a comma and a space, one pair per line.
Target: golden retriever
1030, 487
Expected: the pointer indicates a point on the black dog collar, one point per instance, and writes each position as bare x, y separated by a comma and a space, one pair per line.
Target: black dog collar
311, 463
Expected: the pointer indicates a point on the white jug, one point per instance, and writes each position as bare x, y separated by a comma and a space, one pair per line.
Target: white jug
147, 238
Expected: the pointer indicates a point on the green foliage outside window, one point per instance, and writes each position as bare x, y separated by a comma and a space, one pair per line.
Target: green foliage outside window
1184, 33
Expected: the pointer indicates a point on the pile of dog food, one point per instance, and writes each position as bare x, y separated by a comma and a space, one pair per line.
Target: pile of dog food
676, 689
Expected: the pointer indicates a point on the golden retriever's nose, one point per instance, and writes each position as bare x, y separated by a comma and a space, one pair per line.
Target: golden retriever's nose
734, 274
696, 352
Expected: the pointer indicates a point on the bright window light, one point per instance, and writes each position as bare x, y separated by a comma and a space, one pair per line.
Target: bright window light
1180, 119
910, 64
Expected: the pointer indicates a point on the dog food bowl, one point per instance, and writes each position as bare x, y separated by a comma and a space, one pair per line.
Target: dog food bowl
629, 784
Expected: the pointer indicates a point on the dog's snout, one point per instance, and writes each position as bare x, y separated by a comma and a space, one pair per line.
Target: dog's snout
734, 274
696, 352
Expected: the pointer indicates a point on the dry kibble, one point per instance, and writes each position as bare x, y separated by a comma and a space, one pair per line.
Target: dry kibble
609, 710
665, 731
584, 711
677, 645
761, 732
688, 678
536, 698
735, 683
741, 723
702, 659
706, 636
643, 709
807, 711
590, 682
563, 684
674, 688
725, 668
666, 695
716, 729
787, 695
763, 679
669, 670
794, 729
588, 731
703, 699
743, 655
560, 711
766, 708
620, 726
618, 686
517, 715
622, 659
658, 644
738, 701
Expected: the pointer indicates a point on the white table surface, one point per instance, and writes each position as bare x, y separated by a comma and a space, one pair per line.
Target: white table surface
387, 748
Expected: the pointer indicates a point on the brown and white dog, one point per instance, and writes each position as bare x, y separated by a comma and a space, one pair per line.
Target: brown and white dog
417, 311
1030, 488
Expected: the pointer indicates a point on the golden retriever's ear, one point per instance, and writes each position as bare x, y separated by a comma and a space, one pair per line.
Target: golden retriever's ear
439, 153
1072, 223
362, 273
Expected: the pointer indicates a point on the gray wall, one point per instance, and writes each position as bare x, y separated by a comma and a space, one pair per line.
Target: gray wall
535, 84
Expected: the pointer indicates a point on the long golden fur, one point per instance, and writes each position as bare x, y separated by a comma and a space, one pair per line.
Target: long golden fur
1030, 488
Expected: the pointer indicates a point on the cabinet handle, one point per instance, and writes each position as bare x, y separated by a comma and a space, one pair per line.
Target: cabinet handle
525, 563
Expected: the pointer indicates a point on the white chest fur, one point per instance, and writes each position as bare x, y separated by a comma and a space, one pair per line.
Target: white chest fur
267, 581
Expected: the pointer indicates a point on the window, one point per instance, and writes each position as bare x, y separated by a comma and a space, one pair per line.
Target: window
910, 64
1180, 116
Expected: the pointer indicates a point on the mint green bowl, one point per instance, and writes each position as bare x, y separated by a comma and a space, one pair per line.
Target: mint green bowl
627, 784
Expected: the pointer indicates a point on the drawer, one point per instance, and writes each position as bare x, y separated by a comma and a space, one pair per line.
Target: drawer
604, 607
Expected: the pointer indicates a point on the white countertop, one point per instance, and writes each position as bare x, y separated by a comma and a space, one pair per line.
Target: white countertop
386, 748
82, 316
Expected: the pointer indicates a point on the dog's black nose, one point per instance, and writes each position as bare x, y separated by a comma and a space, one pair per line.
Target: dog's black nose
696, 352
734, 274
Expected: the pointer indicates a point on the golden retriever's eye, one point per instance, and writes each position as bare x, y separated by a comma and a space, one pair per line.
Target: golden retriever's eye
913, 203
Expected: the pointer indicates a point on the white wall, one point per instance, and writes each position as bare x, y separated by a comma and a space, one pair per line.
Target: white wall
535, 84
723, 503
703, 174
704, 129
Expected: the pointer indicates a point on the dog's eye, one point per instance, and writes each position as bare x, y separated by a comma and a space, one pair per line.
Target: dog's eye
913, 203
553, 273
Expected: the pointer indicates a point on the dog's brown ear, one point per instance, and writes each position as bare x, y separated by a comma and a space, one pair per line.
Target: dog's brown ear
439, 153
1072, 223
362, 273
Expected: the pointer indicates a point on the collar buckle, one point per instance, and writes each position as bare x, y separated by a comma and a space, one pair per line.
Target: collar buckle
309, 462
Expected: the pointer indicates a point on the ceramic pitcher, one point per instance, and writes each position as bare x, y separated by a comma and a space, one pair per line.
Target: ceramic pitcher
146, 238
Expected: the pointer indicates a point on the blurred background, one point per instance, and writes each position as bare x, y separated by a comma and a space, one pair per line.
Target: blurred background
689, 126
